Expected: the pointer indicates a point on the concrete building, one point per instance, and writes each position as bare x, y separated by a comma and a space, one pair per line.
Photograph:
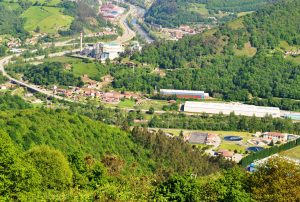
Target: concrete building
188, 94
227, 108
102, 51
197, 138
201, 138
283, 137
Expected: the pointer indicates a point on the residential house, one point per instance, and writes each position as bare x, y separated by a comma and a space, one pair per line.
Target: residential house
275, 136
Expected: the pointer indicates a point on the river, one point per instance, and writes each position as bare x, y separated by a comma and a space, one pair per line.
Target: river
140, 14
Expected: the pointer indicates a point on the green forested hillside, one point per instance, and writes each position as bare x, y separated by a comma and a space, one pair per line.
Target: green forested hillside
173, 13
64, 152
236, 5
213, 61
47, 74
19, 18
10, 23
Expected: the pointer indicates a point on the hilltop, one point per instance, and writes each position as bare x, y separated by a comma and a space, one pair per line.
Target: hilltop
243, 60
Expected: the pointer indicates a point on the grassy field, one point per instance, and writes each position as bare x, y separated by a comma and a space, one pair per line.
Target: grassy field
244, 13
93, 69
199, 8
236, 24
292, 153
294, 59
156, 104
286, 47
248, 50
126, 104
49, 19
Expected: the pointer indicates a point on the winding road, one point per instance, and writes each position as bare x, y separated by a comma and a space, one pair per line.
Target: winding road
128, 34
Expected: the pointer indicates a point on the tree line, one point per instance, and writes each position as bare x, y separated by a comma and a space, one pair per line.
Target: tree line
224, 122
268, 152
48, 73
275, 180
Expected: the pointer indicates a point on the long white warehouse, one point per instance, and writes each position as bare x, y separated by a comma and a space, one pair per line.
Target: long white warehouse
227, 108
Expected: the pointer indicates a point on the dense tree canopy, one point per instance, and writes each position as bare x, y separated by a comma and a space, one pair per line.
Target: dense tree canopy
49, 73
52, 166
275, 180
210, 62
173, 13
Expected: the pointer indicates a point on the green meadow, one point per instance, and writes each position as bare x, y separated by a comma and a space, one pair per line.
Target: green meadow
49, 19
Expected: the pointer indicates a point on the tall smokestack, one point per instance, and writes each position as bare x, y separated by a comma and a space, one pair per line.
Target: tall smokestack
81, 36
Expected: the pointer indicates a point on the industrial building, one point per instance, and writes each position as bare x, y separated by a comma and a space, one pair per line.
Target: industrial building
102, 51
188, 94
201, 138
227, 108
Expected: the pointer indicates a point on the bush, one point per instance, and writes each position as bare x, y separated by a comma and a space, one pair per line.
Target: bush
52, 166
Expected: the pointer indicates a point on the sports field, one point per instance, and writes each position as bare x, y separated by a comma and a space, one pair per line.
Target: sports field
49, 19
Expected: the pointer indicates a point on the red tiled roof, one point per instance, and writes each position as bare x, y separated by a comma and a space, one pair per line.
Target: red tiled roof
275, 134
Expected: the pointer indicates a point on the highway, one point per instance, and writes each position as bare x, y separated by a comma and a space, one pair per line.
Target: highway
128, 33
5, 61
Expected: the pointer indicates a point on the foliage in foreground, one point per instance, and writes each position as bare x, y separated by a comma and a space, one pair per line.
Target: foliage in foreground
275, 180
58, 153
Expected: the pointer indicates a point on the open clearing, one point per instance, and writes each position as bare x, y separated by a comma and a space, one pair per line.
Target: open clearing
78, 67
292, 153
295, 59
248, 50
199, 8
49, 19
236, 24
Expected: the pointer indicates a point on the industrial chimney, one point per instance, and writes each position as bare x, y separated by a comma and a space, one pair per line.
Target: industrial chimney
81, 38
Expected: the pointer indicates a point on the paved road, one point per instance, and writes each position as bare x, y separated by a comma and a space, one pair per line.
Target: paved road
41, 57
35, 88
128, 33
140, 12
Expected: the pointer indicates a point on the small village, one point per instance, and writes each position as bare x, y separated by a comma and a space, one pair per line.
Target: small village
111, 12
94, 89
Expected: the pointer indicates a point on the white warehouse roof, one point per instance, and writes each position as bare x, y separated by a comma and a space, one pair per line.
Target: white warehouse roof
227, 108
173, 91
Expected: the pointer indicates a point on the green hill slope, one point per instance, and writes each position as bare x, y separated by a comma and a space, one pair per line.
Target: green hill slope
74, 156
49, 19
176, 12
240, 60
21, 18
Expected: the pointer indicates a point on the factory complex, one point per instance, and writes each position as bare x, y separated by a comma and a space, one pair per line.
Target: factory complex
227, 108
187, 94
103, 51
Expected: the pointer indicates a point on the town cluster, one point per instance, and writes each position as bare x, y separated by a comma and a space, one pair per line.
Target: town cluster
93, 89
111, 12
